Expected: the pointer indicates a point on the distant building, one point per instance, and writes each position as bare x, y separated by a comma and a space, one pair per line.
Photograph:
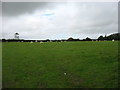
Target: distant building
16, 35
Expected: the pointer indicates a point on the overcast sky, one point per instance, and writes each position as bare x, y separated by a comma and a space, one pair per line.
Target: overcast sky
42, 20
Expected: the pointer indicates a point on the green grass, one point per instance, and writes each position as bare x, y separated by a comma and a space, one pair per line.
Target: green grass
35, 65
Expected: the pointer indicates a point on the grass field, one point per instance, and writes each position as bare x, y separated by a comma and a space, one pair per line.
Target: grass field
60, 65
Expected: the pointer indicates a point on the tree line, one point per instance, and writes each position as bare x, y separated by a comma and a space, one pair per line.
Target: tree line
111, 37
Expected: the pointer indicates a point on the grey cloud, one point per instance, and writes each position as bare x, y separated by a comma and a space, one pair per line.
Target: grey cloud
97, 18
18, 8
77, 20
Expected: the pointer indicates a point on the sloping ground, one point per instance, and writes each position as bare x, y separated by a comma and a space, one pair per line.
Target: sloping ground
60, 65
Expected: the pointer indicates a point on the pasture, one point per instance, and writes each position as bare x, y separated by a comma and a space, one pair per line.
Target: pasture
60, 64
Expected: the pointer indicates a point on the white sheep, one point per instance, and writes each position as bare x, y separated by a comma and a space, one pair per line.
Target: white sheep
31, 42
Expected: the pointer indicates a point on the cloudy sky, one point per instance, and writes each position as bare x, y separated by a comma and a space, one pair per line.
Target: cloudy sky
60, 20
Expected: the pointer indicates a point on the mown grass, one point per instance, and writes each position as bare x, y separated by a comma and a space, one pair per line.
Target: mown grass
35, 65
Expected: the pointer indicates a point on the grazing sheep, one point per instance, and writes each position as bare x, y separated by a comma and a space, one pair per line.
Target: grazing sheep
41, 42
64, 73
113, 40
31, 42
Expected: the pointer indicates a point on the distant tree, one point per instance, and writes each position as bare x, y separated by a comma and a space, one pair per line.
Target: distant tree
47, 40
106, 38
70, 39
88, 39
101, 38
114, 36
77, 39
